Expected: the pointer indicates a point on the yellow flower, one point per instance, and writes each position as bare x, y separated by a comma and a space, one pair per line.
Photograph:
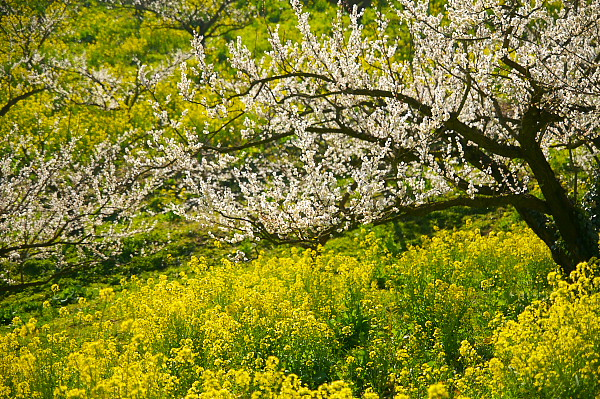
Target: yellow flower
76, 394
437, 391
107, 294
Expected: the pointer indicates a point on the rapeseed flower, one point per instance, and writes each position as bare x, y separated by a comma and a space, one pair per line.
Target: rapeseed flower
317, 325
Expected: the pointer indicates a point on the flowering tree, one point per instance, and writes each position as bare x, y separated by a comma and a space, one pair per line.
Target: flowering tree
58, 202
23, 34
489, 103
67, 208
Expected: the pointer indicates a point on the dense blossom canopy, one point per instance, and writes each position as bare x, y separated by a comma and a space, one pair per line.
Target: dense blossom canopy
477, 105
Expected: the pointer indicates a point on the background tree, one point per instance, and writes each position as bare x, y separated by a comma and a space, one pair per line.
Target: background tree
485, 104
25, 30
35, 57
70, 187
60, 211
204, 18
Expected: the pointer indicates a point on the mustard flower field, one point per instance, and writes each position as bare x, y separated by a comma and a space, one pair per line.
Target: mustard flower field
464, 315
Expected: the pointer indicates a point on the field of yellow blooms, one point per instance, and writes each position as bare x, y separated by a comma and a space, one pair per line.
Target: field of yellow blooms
464, 315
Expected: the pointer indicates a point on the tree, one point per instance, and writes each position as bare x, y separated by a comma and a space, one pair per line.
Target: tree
33, 59
486, 104
204, 18
68, 210
65, 202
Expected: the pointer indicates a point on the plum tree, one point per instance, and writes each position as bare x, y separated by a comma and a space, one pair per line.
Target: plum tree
63, 197
34, 58
487, 103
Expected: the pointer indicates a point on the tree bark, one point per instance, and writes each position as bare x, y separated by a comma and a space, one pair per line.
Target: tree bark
577, 240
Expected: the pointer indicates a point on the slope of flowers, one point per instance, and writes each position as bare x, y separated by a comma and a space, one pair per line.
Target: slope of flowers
464, 315
553, 349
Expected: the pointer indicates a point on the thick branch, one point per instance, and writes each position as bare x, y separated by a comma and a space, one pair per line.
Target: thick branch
521, 200
13, 101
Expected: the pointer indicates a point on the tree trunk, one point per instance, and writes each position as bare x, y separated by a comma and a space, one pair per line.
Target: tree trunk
577, 240
544, 228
